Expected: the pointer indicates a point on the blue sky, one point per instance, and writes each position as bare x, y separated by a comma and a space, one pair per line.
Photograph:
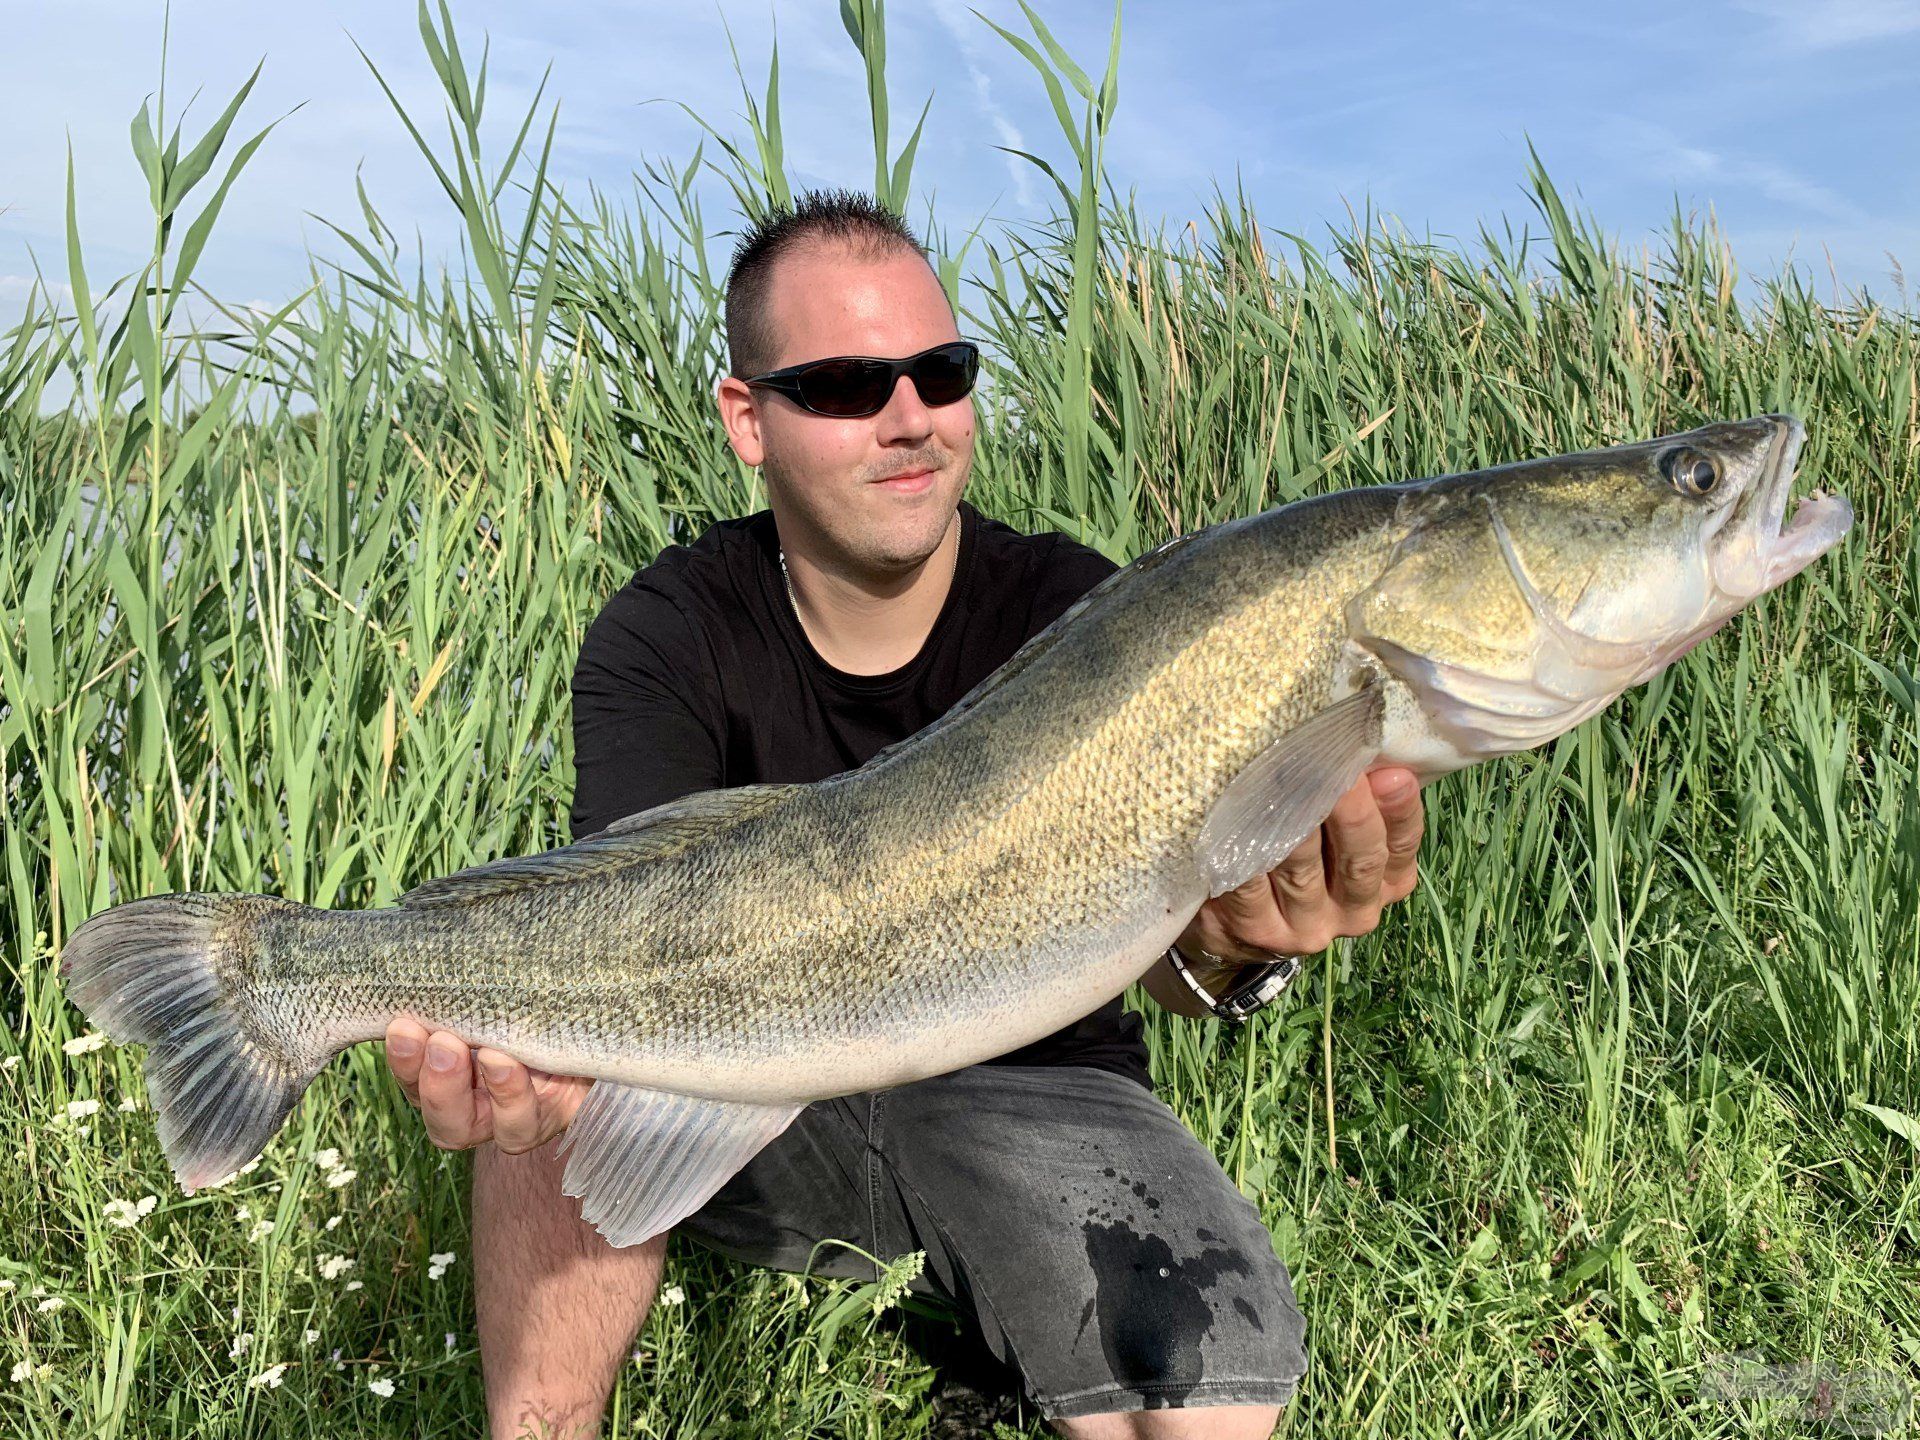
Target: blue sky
1797, 120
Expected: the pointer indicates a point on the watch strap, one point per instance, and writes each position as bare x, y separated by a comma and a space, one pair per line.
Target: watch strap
1254, 985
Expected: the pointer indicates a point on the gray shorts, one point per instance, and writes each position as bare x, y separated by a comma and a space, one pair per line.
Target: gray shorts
1097, 1244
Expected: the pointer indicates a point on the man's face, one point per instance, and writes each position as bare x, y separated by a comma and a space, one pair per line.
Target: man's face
880, 489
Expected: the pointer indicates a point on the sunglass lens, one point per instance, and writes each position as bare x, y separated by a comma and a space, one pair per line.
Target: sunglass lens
945, 375
845, 387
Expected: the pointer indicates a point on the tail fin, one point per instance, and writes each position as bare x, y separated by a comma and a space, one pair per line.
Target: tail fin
172, 972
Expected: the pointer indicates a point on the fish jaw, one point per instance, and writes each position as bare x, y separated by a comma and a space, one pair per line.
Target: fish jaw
1759, 548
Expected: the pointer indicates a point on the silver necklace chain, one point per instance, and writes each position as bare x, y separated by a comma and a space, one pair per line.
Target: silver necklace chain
788, 578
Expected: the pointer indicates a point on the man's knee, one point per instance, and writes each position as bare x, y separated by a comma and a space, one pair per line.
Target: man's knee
1205, 1422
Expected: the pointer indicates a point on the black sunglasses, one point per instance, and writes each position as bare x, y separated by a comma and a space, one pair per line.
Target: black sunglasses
849, 386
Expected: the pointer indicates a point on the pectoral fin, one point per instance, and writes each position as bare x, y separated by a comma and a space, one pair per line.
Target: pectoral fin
643, 1160
1291, 786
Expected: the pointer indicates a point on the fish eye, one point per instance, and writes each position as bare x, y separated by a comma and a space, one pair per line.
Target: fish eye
1689, 471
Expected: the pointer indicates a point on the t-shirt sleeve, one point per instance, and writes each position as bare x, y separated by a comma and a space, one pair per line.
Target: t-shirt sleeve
1069, 572
645, 722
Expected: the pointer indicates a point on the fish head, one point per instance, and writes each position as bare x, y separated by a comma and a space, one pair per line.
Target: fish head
1519, 600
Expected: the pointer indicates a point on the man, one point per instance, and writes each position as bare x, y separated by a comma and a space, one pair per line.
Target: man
1095, 1242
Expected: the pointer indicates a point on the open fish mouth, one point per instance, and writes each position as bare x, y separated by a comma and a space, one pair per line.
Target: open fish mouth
1770, 549
1819, 520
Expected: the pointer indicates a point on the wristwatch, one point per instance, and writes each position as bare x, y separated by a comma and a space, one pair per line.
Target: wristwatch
1254, 984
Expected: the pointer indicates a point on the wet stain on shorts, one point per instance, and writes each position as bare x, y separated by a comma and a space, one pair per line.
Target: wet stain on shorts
1152, 1308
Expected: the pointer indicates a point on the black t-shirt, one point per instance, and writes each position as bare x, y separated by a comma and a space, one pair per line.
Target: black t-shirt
697, 675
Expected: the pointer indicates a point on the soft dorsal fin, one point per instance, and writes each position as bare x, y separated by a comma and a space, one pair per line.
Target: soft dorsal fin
1039, 644
649, 835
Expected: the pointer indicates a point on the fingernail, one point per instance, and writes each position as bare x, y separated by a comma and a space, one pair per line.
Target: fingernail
406, 1047
497, 1071
441, 1058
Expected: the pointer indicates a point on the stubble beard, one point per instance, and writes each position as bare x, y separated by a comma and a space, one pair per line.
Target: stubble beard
855, 528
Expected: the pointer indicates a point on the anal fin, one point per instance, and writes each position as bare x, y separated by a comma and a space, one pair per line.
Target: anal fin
1287, 790
643, 1160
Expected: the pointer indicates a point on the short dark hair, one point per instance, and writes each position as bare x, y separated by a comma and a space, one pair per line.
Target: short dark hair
847, 216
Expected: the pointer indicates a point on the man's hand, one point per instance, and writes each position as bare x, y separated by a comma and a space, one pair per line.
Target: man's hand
468, 1097
1334, 883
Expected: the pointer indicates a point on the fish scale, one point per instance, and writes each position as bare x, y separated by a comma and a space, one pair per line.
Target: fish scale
719, 962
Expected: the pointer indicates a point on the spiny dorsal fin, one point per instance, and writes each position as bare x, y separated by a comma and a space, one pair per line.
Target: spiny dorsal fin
650, 835
1038, 645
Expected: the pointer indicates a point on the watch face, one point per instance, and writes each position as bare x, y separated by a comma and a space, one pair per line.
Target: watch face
1253, 986
1258, 986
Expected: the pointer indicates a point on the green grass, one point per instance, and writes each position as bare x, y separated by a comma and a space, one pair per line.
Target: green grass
289, 603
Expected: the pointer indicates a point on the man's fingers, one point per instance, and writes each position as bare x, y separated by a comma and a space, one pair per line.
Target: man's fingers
1397, 790
1299, 888
406, 1051
559, 1097
1233, 924
516, 1111
1356, 851
447, 1095
1334, 882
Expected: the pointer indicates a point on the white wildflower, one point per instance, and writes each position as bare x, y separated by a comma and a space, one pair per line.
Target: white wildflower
307, 1337
332, 1221
5, 1285
438, 1262
242, 1343
80, 1109
9, 1062
382, 1388
243, 1213
84, 1044
354, 1285
269, 1377
128, 1104
50, 1304
673, 1295
38, 1291
129, 1213
332, 1267
327, 1159
261, 1229
337, 1178
449, 1339
22, 1372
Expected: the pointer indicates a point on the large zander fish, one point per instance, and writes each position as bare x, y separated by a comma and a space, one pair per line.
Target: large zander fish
720, 961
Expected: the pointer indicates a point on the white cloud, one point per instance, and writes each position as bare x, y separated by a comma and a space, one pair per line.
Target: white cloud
1664, 154
964, 27
1822, 24
14, 290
